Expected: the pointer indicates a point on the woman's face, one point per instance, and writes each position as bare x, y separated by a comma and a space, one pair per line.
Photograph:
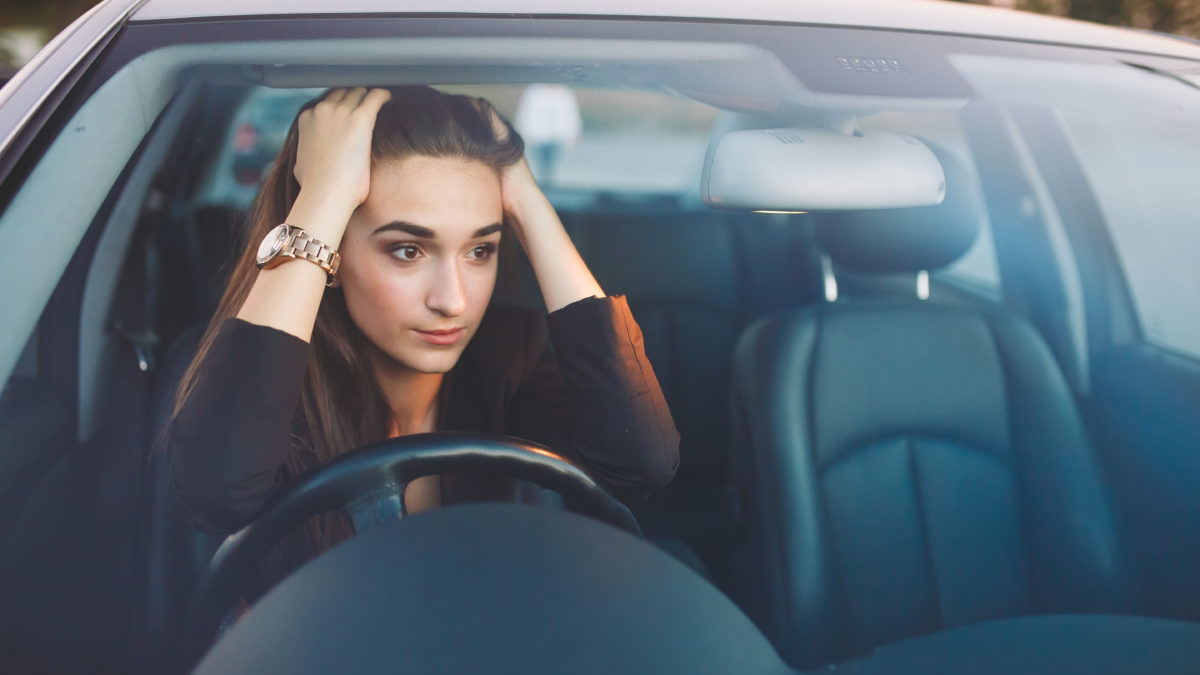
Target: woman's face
419, 259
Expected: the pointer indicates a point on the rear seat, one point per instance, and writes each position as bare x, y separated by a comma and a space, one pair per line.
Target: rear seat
694, 279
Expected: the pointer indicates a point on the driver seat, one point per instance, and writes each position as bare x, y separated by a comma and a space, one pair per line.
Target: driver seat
172, 554
909, 466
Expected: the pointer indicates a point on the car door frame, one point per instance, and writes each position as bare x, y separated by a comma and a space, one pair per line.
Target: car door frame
1135, 395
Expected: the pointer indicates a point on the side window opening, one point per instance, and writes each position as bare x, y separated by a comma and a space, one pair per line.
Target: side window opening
26, 366
1139, 163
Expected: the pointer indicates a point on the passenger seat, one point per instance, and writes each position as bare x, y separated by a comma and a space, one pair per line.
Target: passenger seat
911, 466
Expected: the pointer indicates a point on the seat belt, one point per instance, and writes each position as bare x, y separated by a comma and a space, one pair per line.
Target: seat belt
1024, 253
135, 310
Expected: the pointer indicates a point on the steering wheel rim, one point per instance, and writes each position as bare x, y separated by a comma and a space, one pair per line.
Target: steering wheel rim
379, 471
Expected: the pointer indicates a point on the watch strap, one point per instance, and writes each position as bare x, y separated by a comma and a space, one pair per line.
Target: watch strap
302, 245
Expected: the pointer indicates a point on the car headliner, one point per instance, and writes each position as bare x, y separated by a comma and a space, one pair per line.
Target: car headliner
936, 16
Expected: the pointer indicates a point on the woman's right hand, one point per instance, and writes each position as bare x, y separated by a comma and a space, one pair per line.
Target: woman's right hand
333, 154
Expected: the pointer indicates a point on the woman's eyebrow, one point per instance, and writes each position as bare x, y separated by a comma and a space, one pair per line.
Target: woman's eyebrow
485, 231
426, 233
414, 230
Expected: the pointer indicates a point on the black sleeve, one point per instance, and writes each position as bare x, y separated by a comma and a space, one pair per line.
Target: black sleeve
229, 443
595, 398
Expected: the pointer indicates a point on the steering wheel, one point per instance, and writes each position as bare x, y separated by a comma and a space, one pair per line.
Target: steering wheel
367, 485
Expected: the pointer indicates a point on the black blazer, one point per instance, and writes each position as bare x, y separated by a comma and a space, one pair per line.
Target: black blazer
577, 381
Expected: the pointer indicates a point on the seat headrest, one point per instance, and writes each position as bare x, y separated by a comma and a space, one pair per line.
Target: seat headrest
888, 241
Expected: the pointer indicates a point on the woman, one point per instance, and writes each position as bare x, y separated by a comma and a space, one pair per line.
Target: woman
414, 190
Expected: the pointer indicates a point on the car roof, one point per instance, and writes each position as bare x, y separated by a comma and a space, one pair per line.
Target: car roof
936, 16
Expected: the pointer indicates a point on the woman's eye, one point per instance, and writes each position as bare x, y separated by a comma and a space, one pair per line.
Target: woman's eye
482, 252
408, 252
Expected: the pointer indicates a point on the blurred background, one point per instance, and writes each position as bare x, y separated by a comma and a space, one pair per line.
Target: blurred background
577, 138
26, 25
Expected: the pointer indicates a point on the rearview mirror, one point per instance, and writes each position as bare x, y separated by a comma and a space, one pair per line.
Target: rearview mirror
798, 169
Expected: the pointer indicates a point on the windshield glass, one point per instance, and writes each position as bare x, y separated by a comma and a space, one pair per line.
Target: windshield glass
895, 419
1136, 136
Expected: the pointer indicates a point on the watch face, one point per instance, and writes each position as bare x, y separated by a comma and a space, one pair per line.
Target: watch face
272, 243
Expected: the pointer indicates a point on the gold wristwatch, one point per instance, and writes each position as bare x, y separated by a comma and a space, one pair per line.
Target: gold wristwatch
286, 242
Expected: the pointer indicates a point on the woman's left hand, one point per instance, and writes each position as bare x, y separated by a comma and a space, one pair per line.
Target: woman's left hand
561, 273
524, 202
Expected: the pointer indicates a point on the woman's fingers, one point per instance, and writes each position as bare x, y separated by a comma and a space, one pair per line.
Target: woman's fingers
335, 95
333, 156
374, 100
351, 98
354, 96
499, 128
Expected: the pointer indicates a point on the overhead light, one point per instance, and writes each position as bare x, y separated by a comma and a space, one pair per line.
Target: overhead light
781, 211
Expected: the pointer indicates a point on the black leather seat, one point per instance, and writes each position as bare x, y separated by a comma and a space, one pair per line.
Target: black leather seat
172, 553
910, 466
694, 279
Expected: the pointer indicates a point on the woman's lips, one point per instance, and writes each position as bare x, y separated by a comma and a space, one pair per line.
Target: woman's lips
440, 337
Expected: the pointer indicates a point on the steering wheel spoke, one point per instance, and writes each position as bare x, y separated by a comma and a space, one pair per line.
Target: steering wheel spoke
385, 505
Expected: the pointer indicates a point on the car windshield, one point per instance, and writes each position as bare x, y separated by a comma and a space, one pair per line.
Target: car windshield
932, 347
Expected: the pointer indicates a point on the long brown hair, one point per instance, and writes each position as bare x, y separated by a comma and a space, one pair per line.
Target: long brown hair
341, 404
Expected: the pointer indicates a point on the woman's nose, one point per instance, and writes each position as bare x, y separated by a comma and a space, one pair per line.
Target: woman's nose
447, 297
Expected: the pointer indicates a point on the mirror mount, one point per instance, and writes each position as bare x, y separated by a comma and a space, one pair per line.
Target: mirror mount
843, 123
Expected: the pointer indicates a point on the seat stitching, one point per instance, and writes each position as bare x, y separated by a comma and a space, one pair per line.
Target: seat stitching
922, 518
1015, 460
846, 455
836, 582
